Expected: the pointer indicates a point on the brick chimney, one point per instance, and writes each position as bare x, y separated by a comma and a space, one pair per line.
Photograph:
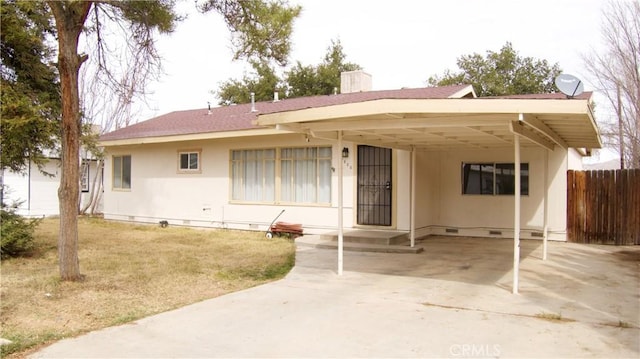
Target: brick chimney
355, 81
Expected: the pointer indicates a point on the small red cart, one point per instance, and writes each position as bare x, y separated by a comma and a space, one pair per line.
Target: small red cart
292, 230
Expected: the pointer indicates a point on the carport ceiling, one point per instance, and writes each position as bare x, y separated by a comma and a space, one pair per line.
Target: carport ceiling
473, 123
423, 133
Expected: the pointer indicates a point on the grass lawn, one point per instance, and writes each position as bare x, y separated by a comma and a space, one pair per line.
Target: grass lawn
132, 271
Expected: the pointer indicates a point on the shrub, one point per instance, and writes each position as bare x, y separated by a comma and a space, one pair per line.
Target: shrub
16, 233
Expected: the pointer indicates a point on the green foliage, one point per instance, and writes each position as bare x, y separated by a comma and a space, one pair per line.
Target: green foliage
501, 73
260, 29
322, 79
262, 83
16, 233
29, 88
299, 81
144, 15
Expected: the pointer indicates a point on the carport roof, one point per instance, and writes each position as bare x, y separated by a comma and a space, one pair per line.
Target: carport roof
427, 118
546, 120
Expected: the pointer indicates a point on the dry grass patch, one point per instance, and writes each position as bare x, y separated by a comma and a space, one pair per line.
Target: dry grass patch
132, 271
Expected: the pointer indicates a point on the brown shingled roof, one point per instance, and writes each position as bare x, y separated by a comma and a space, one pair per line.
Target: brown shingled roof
542, 96
240, 117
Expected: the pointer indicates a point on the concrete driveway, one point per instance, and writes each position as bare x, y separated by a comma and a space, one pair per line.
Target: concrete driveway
452, 300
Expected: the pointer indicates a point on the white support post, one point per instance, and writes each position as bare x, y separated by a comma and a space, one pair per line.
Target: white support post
413, 197
516, 210
545, 228
340, 207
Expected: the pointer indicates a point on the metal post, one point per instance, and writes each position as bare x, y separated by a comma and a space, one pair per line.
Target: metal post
413, 197
340, 207
516, 210
545, 228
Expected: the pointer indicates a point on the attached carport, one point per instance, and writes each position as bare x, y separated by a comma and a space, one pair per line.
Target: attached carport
417, 124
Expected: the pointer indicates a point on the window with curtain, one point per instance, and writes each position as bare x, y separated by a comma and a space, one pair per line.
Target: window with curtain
253, 175
304, 175
493, 178
121, 172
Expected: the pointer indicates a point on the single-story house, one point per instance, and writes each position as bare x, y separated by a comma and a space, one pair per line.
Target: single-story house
423, 161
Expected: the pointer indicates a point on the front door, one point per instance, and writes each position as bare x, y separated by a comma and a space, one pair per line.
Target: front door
374, 186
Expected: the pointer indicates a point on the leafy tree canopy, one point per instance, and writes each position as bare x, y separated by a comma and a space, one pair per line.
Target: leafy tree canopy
299, 81
262, 83
260, 29
29, 86
501, 73
321, 79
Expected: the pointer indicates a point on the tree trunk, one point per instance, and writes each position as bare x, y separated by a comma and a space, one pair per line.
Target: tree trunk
70, 18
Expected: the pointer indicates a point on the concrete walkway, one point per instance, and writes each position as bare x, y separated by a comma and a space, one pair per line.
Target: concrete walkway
452, 300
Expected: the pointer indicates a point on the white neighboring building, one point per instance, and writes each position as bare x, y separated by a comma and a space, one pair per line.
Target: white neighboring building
36, 194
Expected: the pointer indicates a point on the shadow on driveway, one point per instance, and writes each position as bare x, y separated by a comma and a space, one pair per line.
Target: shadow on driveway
595, 284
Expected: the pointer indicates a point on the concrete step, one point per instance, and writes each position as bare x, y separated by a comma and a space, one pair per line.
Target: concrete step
317, 241
368, 237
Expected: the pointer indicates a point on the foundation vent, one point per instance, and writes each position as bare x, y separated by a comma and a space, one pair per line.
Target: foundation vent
537, 234
495, 233
451, 230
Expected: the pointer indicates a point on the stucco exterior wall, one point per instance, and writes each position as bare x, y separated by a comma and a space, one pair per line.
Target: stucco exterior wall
159, 192
443, 209
574, 160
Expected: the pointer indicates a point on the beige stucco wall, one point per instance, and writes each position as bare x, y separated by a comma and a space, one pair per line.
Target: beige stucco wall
159, 192
441, 204
574, 160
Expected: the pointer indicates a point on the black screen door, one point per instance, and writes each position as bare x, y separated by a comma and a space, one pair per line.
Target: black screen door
374, 186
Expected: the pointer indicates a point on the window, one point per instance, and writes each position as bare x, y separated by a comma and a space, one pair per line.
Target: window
493, 178
253, 175
303, 175
84, 176
189, 161
122, 172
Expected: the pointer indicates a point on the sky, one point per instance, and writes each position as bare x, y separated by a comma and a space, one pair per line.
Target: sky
401, 43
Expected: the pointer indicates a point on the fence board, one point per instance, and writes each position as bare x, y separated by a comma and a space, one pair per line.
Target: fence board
603, 207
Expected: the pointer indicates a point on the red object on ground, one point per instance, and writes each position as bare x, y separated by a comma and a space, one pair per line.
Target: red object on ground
293, 229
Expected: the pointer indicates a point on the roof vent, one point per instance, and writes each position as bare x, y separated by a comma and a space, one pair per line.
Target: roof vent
253, 102
209, 105
275, 97
355, 81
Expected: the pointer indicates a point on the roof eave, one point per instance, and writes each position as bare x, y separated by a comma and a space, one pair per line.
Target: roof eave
190, 137
433, 106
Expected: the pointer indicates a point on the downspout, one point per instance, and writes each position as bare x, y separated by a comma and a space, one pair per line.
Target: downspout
340, 209
516, 210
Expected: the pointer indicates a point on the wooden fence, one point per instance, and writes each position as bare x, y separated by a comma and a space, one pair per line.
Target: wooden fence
603, 207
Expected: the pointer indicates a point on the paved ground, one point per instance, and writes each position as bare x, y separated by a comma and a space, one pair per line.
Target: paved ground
452, 300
